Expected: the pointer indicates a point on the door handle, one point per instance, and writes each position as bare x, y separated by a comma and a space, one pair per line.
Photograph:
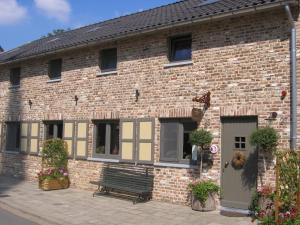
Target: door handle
226, 164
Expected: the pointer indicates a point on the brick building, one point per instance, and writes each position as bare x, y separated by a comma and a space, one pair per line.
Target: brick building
121, 91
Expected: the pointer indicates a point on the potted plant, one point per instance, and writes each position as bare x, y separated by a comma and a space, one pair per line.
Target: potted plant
202, 139
203, 195
54, 174
265, 138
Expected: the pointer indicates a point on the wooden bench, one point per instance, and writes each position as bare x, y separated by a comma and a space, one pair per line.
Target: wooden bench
129, 180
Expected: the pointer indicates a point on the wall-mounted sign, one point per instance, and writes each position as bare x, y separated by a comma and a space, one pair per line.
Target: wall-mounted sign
214, 149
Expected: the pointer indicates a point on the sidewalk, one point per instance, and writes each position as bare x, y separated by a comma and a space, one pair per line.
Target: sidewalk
73, 206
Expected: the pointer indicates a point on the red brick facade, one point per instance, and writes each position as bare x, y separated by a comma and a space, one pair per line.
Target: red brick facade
244, 63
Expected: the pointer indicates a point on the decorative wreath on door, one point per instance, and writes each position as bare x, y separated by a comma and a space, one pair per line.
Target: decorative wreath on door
238, 160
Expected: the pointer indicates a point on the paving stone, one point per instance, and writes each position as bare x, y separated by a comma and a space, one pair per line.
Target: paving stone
74, 207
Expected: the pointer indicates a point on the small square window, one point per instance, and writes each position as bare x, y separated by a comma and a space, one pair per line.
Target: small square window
55, 67
240, 142
15, 76
180, 48
108, 59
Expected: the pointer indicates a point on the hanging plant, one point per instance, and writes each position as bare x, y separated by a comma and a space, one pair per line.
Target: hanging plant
265, 138
238, 160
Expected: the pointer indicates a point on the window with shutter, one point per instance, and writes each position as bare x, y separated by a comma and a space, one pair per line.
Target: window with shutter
68, 136
174, 140
1, 137
24, 137
128, 140
145, 141
81, 140
34, 137
13, 136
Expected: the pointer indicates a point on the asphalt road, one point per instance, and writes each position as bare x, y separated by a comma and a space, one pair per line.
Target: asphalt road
7, 218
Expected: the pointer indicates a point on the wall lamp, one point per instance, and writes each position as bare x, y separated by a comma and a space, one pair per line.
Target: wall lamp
76, 99
137, 95
30, 103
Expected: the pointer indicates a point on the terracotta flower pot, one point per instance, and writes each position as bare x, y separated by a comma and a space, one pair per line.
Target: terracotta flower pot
54, 184
209, 205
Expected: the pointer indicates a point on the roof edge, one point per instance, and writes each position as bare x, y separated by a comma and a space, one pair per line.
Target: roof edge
193, 21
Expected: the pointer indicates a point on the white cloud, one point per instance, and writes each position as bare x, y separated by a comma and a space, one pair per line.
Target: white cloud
58, 9
11, 12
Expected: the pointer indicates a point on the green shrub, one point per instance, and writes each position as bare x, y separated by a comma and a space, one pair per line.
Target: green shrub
268, 220
201, 190
201, 138
265, 138
55, 153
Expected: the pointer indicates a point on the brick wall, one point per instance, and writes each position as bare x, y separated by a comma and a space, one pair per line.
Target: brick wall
244, 62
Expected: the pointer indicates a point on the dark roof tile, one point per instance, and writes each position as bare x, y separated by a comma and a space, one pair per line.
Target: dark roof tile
186, 10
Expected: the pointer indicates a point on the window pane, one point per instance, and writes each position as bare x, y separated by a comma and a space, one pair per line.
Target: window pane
169, 141
49, 131
187, 147
100, 139
109, 59
243, 139
181, 49
13, 136
114, 139
59, 130
55, 68
15, 76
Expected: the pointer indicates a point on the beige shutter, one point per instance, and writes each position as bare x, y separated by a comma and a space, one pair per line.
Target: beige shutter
127, 140
1, 137
69, 130
82, 139
24, 136
145, 140
34, 137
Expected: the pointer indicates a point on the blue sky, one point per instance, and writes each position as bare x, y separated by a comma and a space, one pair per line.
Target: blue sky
22, 21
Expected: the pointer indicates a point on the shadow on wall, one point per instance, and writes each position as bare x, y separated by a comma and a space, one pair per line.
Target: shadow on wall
11, 160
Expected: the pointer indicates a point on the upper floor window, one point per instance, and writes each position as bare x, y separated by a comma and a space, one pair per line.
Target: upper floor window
175, 145
108, 60
180, 48
15, 76
55, 67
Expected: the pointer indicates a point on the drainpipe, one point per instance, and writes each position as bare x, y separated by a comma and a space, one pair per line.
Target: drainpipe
293, 50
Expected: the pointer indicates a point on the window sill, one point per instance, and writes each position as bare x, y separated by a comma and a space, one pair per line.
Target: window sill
54, 81
100, 74
176, 165
12, 152
103, 160
14, 87
177, 64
